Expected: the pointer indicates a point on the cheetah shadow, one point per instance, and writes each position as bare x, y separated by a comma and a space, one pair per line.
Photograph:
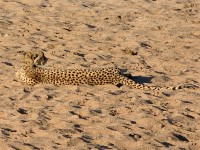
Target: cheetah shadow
137, 79
141, 79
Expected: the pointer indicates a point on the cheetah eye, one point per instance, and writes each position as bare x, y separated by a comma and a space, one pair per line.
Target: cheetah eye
35, 56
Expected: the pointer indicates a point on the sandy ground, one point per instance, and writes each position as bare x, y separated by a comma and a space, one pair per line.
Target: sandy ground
158, 42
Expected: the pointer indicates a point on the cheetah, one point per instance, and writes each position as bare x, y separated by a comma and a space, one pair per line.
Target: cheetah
32, 72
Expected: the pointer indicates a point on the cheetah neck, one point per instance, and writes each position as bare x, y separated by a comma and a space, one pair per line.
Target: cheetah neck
29, 68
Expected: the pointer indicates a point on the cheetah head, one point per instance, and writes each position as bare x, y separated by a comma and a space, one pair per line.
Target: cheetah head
35, 57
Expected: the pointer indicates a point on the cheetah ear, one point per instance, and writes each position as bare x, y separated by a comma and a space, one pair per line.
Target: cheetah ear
23, 52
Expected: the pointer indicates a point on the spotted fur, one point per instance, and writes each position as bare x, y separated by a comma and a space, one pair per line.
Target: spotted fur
32, 74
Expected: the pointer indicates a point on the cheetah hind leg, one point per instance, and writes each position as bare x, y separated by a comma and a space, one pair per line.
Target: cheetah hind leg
120, 79
123, 80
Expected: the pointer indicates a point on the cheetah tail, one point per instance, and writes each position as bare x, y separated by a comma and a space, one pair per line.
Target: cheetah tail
186, 86
126, 81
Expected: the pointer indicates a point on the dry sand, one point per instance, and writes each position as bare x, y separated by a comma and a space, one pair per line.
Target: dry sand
158, 42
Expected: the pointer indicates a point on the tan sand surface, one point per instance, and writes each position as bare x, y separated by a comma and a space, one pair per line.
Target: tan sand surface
158, 41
